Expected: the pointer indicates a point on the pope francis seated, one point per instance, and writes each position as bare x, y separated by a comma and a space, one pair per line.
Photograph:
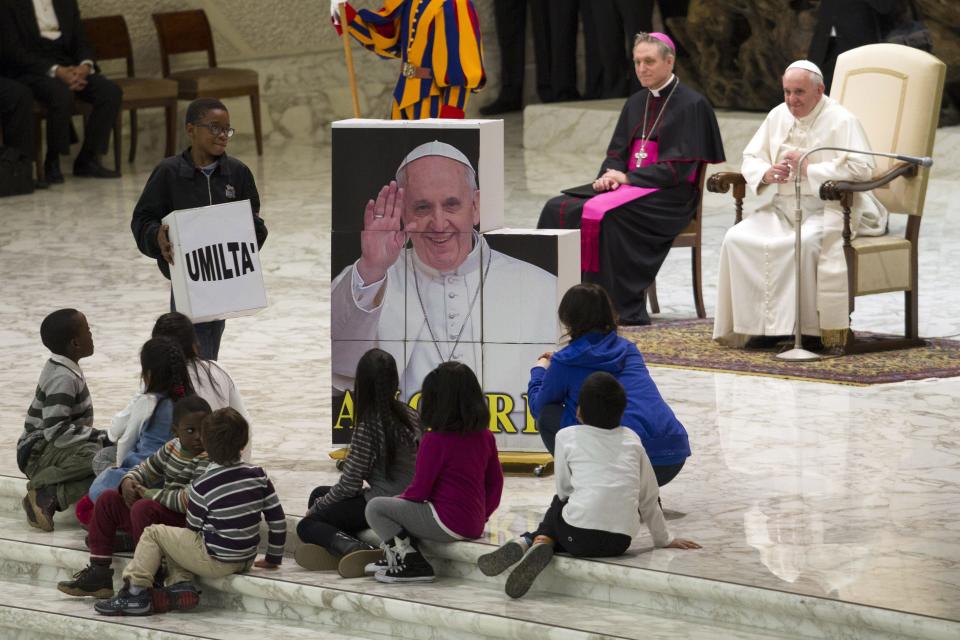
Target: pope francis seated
756, 295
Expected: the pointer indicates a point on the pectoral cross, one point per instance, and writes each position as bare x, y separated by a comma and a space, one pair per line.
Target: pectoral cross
640, 156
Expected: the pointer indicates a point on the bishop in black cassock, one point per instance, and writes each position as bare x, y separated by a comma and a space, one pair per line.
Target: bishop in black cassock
666, 134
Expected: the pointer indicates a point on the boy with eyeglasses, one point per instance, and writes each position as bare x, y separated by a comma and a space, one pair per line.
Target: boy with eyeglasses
202, 175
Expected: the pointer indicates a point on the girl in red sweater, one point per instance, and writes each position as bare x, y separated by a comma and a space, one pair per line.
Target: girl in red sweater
457, 481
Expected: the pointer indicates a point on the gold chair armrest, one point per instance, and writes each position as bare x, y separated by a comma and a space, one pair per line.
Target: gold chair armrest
835, 189
843, 191
723, 181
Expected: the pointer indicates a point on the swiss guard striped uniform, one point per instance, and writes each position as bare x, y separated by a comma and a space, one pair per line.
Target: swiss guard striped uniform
438, 42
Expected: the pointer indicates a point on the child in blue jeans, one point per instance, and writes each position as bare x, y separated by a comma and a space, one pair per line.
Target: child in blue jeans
605, 485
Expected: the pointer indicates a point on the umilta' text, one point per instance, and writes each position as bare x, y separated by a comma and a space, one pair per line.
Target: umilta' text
213, 262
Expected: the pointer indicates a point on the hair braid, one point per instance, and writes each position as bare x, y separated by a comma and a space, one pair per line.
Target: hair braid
179, 378
176, 382
179, 327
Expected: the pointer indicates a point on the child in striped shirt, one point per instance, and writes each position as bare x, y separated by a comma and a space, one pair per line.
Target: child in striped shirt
59, 442
383, 451
222, 533
135, 506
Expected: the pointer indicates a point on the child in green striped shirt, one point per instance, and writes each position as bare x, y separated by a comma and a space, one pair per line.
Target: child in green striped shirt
59, 442
153, 492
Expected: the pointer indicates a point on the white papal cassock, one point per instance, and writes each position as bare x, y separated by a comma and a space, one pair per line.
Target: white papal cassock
756, 292
438, 316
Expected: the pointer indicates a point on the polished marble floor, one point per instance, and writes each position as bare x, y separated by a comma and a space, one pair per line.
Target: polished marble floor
826, 490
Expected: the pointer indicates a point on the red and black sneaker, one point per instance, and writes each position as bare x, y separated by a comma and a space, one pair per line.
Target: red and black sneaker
182, 596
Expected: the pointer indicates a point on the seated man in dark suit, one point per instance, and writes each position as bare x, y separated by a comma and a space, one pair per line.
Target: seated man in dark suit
16, 107
51, 56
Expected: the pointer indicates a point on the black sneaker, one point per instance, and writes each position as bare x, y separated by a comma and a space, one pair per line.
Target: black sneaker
496, 562
534, 561
413, 567
126, 604
94, 580
182, 596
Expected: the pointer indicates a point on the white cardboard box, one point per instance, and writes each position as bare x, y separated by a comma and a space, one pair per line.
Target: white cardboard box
506, 317
367, 152
216, 269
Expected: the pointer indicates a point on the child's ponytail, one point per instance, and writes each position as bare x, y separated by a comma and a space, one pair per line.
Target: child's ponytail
165, 368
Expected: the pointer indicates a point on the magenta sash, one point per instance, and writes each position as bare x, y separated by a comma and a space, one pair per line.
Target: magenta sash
596, 207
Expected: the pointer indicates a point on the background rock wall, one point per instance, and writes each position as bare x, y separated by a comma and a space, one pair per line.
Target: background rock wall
740, 47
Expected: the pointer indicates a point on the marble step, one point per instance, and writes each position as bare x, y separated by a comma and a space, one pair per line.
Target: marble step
452, 607
584, 128
693, 604
670, 594
33, 609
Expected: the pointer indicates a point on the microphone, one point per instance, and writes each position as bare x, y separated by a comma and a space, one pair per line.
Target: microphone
923, 161
798, 353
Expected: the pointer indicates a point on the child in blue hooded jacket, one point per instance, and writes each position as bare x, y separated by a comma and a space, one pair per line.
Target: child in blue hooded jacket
587, 314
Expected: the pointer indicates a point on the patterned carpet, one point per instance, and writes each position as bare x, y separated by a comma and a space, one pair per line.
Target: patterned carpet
687, 344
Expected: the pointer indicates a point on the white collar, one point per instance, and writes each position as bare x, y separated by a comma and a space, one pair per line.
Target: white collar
807, 120
68, 363
469, 265
656, 92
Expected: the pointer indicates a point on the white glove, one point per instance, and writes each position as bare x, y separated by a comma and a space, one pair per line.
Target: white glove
335, 11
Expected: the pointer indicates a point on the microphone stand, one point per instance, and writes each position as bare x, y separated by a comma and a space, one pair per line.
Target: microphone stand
798, 353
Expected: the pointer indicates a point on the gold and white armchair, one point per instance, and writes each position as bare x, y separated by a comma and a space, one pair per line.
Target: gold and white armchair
895, 92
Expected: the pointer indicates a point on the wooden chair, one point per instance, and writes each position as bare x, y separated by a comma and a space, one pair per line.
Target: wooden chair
904, 121
689, 237
110, 39
189, 31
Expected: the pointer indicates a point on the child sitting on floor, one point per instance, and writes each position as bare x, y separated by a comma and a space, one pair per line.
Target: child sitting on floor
587, 315
59, 442
383, 450
136, 506
223, 528
457, 481
605, 484
144, 426
210, 380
